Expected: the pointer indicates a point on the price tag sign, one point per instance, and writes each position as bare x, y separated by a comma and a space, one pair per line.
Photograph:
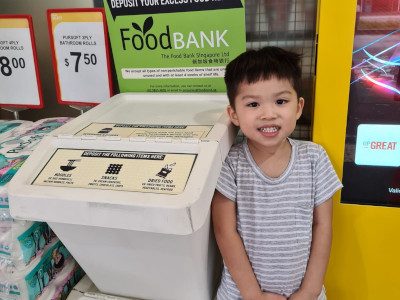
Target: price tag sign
80, 55
19, 75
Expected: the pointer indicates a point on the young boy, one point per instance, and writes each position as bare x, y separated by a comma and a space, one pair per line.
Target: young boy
272, 208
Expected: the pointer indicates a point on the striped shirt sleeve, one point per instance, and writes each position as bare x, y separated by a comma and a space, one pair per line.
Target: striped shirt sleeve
226, 183
326, 179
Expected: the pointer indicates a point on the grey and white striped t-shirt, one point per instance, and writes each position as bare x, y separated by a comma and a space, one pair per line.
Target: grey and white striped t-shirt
274, 215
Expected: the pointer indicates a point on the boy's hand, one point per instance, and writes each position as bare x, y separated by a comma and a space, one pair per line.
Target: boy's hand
272, 296
303, 295
267, 296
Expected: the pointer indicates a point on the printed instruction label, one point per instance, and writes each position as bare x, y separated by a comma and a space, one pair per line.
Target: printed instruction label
145, 130
151, 172
158, 73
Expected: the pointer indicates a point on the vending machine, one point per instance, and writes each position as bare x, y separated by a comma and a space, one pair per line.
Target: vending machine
356, 119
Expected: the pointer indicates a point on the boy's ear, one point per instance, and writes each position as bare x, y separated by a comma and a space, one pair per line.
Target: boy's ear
232, 115
300, 106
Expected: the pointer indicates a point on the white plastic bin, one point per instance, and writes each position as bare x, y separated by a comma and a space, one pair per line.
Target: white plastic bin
127, 188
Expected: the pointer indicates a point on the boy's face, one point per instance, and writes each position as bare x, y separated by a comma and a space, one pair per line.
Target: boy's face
266, 111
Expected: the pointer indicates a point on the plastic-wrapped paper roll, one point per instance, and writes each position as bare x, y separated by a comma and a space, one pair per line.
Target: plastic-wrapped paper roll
15, 149
12, 269
6, 221
31, 282
58, 288
5, 218
6, 127
21, 243
8, 167
19, 144
22, 141
3, 197
43, 126
9, 235
63, 282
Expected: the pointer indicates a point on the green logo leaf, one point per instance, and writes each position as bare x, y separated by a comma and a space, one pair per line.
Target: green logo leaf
136, 26
148, 23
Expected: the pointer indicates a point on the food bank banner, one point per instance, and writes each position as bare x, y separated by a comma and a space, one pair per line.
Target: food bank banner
174, 45
371, 171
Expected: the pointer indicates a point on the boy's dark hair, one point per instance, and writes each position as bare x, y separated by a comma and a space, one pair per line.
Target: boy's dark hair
255, 65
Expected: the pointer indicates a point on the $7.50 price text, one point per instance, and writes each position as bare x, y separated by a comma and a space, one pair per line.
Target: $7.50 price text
88, 59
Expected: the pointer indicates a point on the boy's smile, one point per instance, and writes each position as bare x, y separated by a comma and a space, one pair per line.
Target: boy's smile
266, 111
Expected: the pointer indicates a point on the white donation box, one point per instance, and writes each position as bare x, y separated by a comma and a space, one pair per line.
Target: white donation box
127, 188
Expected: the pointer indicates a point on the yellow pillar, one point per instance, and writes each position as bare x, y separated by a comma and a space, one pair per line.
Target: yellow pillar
365, 259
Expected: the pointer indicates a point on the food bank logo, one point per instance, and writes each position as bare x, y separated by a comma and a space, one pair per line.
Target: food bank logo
139, 37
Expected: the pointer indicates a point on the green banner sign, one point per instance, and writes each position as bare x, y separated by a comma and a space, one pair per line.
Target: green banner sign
174, 46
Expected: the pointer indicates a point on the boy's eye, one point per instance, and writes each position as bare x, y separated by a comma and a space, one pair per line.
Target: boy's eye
281, 101
252, 104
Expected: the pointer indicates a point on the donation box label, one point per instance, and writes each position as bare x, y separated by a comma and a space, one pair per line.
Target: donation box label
146, 131
151, 172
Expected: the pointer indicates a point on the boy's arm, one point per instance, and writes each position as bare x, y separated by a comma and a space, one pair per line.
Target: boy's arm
232, 249
313, 280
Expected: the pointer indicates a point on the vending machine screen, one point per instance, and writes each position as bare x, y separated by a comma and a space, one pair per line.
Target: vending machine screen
371, 171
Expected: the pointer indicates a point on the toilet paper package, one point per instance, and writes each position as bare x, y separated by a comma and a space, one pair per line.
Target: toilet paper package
21, 243
3, 196
10, 268
22, 141
15, 149
31, 282
9, 165
63, 282
8, 168
5, 217
6, 220
9, 236
44, 126
6, 127
58, 288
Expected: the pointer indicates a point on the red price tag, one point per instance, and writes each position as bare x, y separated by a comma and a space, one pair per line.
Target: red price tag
80, 55
19, 75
